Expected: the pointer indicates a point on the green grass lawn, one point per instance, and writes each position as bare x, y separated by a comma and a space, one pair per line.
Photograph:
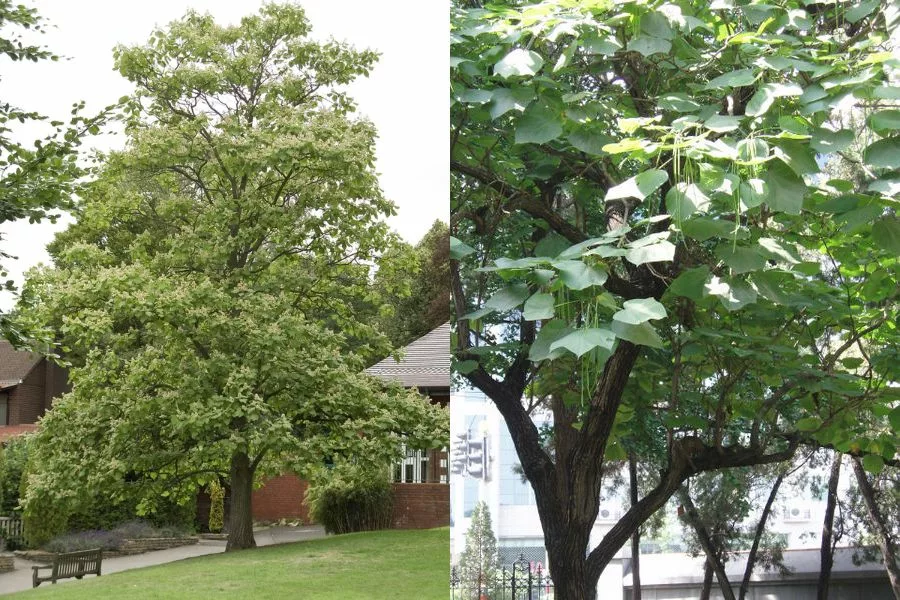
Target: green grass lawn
378, 565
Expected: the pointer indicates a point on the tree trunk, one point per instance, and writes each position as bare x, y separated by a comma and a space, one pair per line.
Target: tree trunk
760, 529
826, 552
713, 558
240, 520
636, 538
568, 569
888, 551
706, 590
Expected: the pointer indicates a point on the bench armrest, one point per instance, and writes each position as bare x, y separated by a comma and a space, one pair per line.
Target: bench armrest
38, 567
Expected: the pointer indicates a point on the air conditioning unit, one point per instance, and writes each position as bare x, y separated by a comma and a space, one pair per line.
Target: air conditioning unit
608, 514
797, 513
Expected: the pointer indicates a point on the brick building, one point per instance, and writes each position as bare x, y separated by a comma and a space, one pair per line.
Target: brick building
28, 385
421, 485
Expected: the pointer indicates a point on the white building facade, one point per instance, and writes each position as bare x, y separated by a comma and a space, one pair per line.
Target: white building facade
490, 473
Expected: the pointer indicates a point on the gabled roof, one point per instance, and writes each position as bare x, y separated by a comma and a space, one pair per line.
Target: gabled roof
425, 362
15, 364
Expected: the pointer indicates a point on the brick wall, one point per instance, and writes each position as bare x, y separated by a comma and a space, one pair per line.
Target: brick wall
26, 400
421, 505
280, 498
140, 546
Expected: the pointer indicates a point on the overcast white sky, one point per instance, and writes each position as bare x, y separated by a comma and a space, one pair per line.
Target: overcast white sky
405, 96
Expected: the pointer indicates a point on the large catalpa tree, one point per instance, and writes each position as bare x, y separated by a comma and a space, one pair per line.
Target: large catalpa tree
205, 295
642, 229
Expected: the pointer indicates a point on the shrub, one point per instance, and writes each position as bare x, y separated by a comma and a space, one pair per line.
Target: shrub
85, 540
43, 519
216, 507
12, 464
351, 498
112, 539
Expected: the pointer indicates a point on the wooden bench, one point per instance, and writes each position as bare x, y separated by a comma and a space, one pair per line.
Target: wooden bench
70, 564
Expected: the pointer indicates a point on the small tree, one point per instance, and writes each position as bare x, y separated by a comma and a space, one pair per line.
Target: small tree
479, 563
216, 506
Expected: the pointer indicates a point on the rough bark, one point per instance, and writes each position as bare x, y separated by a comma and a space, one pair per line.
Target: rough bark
757, 537
240, 520
826, 552
708, 574
636, 538
885, 543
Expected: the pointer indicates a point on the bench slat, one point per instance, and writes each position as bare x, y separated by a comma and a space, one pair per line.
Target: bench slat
71, 564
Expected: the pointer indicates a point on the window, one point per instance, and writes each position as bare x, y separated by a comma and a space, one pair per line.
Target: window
512, 549
4, 408
513, 491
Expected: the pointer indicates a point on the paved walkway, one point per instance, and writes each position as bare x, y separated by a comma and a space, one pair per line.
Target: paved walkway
20, 578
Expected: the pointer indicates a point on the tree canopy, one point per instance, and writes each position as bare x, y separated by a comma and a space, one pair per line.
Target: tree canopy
205, 296
35, 179
413, 284
642, 227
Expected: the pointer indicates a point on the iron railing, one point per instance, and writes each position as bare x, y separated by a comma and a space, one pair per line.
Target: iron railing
522, 580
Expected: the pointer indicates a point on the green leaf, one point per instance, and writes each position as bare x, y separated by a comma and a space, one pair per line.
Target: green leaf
797, 157
786, 188
504, 100
656, 25
738, 78
589, 142
548, 333
459, 249
733, 295
873, 463
690, 283
894, 419
551, 245
886, 233
753, 192
640, 310
753, 150
827, 141
740, 259
538, 125
703, 228
582, 341
884, 153
684, 200
722, 123
475, 96
660, 252
762, 100
643, 334
577, 275
466, 366
770, 285
647, 45
593, 44
627, 145
678, 102
539, 306
640, 186
775, 250
508, 298
519, 63
808, 424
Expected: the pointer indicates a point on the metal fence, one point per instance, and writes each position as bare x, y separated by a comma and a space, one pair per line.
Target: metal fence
10, 528
522, 580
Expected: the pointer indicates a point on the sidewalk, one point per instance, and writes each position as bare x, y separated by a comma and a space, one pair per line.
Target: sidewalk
20, 579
